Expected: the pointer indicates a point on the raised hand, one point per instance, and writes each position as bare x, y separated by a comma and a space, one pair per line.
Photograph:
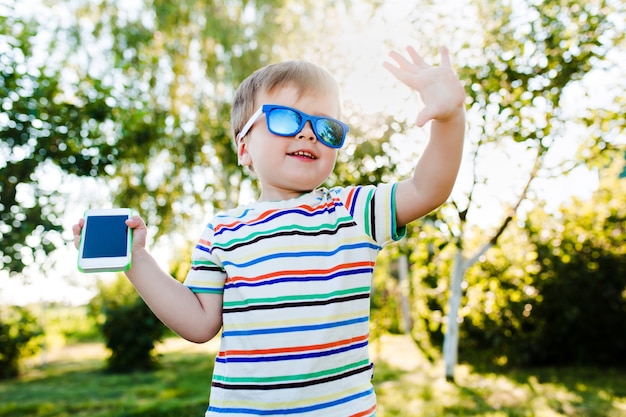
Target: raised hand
438, 86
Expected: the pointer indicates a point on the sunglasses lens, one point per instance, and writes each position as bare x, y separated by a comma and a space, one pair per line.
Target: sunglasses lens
329, 132
287, 122
284, 121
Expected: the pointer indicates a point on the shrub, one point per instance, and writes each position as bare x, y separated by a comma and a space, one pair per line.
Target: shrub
555, 295
128, 326
131, 331
18, 333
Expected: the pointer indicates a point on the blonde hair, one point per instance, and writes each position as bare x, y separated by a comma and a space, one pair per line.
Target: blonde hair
307, 77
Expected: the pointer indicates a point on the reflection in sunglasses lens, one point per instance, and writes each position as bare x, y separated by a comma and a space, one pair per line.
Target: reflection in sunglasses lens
285, 122
329, 132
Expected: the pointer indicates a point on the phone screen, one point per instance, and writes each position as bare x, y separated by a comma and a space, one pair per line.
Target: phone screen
105, 237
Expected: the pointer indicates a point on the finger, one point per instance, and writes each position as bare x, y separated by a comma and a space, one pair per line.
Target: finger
393, 69
445, 57
76, 230
401, 61
400, 74
416, 57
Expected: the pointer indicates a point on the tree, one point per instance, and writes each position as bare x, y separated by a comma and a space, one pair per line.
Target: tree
551, 291
136, 96
42, 130
531, 54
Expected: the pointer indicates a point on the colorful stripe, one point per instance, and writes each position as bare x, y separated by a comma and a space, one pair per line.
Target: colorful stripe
321, 403
296, 280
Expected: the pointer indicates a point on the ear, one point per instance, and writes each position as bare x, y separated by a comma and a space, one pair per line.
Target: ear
243, 157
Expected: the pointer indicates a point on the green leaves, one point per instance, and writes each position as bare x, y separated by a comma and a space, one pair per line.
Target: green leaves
137, 96
18, 336
533, 52
40, 127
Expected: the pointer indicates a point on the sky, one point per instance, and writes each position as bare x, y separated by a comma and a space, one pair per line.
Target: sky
364, 49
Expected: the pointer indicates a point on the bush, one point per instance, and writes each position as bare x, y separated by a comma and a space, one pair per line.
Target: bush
581, 277
580, 319
563, 300
131, 331
18, 333
128, 326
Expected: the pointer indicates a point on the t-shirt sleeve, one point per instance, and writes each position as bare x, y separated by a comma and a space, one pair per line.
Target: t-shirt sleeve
374, 208
206, 274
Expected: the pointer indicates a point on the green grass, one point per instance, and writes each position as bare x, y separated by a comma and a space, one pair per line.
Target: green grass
546, 392
79, 387
82, 388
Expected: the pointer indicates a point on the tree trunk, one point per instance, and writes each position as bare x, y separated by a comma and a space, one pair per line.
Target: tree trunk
405, 303
451, 337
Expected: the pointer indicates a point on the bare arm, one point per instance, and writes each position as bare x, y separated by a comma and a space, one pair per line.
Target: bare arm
437, 168
195, 317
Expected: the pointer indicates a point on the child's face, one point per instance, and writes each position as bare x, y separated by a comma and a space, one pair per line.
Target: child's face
289, 166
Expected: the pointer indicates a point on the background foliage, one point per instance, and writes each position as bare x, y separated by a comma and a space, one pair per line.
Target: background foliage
553, 293
128, 103
137, 98
129, 328
19, 330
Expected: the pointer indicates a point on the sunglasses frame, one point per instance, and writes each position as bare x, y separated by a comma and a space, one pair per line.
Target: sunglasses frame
267, 108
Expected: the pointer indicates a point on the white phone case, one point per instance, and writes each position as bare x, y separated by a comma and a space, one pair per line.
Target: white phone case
105, 241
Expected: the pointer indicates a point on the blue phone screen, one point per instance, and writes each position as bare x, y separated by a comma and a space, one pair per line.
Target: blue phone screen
105, 237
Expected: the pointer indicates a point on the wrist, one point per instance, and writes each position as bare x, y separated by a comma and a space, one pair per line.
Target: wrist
141, 259
456, 116
140, 252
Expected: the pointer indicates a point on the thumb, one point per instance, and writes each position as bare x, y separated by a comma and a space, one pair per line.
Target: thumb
424, 117
136, 222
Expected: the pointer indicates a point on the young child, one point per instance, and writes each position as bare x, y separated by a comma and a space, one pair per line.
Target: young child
287, 278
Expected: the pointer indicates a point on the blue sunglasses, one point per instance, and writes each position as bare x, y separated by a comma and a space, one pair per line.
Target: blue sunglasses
287, 121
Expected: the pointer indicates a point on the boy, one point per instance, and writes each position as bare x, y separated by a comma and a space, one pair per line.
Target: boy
287, 278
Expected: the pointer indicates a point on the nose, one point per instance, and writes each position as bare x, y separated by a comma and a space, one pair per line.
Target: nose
307, 132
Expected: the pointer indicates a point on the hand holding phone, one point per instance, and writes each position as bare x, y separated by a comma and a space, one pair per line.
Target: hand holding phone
105, 241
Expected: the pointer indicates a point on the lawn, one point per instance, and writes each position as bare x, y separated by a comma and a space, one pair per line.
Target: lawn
71, 383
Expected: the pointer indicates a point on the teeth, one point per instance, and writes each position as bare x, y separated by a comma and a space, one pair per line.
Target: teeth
305, 154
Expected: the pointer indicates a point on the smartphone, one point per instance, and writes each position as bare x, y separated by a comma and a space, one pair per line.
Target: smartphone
105, 241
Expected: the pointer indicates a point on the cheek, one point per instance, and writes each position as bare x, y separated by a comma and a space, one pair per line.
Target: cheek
331, 156
330, 159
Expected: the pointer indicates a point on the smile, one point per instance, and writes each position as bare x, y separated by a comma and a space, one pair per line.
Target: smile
303, 154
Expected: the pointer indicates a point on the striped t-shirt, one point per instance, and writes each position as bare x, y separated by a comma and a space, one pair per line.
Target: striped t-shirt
295, 277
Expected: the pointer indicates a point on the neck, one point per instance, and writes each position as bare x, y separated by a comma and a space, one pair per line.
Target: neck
281, 195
